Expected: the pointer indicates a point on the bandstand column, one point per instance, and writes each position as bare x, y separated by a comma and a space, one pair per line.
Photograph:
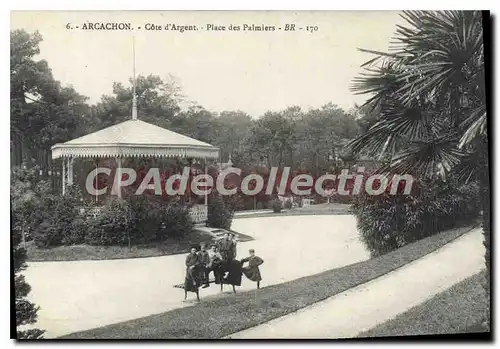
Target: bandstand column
96, 160
63, 176
70, 171
206, 172
119, 176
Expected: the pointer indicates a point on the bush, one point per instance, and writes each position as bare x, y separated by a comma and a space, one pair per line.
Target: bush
79, 229
62, 220
146, 218
387, 222
27, 196
112, 226
175, 221
288, 204
234, 202
277, 206
219, 215
58, 214
47, 235
141, 220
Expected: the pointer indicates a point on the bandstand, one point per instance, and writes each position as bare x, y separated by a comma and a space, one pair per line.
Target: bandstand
134, 138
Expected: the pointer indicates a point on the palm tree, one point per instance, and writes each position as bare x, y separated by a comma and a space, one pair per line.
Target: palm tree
430, 92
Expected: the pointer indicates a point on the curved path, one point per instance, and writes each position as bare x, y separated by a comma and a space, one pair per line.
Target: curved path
365, 306
77, 296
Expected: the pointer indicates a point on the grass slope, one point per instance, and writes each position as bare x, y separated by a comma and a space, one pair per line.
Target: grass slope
456, 310
219, 316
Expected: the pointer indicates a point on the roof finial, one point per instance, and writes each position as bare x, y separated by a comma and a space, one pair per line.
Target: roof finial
134, 98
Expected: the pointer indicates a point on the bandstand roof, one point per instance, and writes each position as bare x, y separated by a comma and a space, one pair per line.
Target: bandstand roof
134, 138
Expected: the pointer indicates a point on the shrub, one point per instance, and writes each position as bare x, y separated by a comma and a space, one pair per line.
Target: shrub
60, 213
288, 204
64, 213
76, 235
234, 202
277, 206
112, 226
146, 218
27, 196
219, 215
387, 222
175, 221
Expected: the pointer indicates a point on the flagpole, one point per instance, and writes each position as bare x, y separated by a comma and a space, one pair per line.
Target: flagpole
134, 98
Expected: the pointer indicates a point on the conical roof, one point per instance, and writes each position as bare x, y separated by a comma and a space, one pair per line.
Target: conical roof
135, 138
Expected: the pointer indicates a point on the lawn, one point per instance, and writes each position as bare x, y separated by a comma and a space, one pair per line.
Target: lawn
219, 316
87, 252
456, 310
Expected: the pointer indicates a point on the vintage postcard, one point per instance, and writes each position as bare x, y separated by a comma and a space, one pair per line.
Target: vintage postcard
250, 174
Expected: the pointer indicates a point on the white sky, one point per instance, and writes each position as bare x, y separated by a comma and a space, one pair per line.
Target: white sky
249, 71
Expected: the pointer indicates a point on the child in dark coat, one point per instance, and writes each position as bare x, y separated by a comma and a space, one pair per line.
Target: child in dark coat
252, 271
192, 262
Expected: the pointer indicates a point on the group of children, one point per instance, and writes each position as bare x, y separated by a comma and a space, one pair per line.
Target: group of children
203, 262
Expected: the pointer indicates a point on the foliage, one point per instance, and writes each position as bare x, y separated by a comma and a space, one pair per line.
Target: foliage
22, 196
277, 206
25, 201
288, 204
38, 101
388, 222
146, 218
76, 236
219, 214
157, 102
112, 226
59, 220
430, 93
176, 221
428, 69
234, 202
232, 129
197, 123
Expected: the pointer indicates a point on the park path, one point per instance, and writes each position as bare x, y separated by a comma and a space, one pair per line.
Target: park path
81, 295
365, 306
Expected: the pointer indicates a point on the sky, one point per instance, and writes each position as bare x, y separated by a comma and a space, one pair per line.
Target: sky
252, 71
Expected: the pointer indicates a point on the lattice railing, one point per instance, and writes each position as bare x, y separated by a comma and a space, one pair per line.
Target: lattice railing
198, 213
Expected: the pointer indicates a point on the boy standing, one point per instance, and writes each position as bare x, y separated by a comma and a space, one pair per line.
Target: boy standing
204, 262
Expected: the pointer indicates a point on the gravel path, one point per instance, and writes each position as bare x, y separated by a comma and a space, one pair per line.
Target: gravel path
361, 308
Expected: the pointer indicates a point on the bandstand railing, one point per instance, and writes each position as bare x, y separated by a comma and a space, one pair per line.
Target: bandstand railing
198, 213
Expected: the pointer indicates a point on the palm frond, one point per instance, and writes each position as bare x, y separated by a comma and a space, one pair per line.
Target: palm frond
476, 129
468, 169
428, 159
376, 142
429, 90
